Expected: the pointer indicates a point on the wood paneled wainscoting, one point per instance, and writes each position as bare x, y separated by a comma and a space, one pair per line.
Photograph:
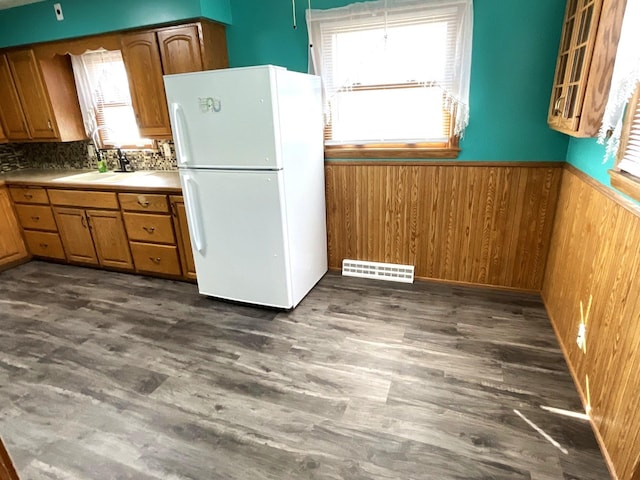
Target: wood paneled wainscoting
470, 222
595, 258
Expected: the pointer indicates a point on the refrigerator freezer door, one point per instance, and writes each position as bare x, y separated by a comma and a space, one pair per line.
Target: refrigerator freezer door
225, 118
239, 222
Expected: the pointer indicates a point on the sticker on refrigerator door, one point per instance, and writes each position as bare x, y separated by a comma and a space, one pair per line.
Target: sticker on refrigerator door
210, 104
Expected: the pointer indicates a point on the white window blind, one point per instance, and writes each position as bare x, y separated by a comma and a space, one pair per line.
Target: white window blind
103, 90
393, 71
630, 156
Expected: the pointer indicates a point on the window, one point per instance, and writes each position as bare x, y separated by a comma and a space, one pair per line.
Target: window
395, 76
105, 100
626, 176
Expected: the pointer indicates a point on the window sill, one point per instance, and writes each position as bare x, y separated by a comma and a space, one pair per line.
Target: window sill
626, 183
367, 151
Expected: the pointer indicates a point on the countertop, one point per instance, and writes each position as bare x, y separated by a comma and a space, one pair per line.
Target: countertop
152, 180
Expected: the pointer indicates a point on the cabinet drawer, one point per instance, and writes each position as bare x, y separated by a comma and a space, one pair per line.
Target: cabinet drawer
36, 217
156, 258
80, 198
29, 195
142, 202
44, 244
143, 227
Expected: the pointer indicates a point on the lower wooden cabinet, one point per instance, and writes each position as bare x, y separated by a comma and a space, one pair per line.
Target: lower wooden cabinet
75, 235
179, 213
144, 232
44, 244
162, 259
94, 237
110, 239
12, 247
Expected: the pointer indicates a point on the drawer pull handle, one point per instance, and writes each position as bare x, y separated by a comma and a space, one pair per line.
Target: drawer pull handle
143, 203
28, 196
44, 245
155, 259
35, 218
149, 230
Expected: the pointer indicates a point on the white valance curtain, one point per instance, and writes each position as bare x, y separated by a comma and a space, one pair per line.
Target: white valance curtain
626, 75
450, 70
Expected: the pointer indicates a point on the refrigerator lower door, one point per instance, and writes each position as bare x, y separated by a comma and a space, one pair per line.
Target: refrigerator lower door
237, 226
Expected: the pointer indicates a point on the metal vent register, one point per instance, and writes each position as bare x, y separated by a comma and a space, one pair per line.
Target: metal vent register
376, 270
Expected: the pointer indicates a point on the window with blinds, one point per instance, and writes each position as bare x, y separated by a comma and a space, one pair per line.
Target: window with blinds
629, 153
107, 100
386, 80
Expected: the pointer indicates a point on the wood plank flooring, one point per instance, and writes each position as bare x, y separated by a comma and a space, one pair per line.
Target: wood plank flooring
114, 376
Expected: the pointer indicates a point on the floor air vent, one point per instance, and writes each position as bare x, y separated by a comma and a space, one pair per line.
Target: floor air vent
380, 271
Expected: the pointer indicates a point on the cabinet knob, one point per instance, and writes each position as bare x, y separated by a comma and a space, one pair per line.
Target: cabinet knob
143, 203
44, 245
149, 230
35, 218
28, 196
49, 125
155, 259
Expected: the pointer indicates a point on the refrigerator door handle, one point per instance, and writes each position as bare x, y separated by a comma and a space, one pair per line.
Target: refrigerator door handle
176, 112
193, 213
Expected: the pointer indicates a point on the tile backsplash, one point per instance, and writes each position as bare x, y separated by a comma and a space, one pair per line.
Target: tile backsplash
75, 155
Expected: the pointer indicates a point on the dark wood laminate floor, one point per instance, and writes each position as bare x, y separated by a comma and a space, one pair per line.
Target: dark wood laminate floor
114, 376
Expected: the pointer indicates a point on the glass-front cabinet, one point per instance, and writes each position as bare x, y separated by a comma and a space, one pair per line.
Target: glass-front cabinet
588, 44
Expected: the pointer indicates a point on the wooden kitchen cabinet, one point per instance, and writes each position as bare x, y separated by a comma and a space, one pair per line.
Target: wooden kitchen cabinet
588, 47
110, 239
12, 246
3, 137
150, 54
144, 69
75, 235
179, 213
91, 228
38, 99
11, 115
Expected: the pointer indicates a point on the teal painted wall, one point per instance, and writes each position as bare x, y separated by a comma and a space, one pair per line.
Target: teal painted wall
37, 23
587, 154
515, 45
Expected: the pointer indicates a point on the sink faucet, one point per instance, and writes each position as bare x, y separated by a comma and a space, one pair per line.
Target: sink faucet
125, 165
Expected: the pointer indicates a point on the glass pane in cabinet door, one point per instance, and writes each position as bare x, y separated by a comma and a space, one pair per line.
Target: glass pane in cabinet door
571, 101
568, 33
573, 4
578, 61
562, 69
587, 16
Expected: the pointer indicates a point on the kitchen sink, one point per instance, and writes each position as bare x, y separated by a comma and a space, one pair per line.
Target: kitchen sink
106, 177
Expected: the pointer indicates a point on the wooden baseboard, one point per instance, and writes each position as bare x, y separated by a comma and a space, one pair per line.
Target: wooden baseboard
15, 263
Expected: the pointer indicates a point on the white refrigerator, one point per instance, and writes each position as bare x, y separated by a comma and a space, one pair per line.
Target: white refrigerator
249, 146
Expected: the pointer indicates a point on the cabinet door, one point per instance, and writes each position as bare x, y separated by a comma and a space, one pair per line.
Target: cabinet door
110, 238
184, 241
144, 69
180, 50
11, 114
75, 235
574, 59
3, 137
33, 94
12, 246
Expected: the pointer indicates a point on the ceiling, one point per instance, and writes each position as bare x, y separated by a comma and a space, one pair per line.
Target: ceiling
4, 4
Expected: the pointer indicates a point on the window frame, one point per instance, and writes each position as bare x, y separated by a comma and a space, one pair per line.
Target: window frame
447, 149
620, 180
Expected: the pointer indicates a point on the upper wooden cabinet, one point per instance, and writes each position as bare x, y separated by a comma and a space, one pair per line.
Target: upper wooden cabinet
38, 98
588, 47
150, 54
